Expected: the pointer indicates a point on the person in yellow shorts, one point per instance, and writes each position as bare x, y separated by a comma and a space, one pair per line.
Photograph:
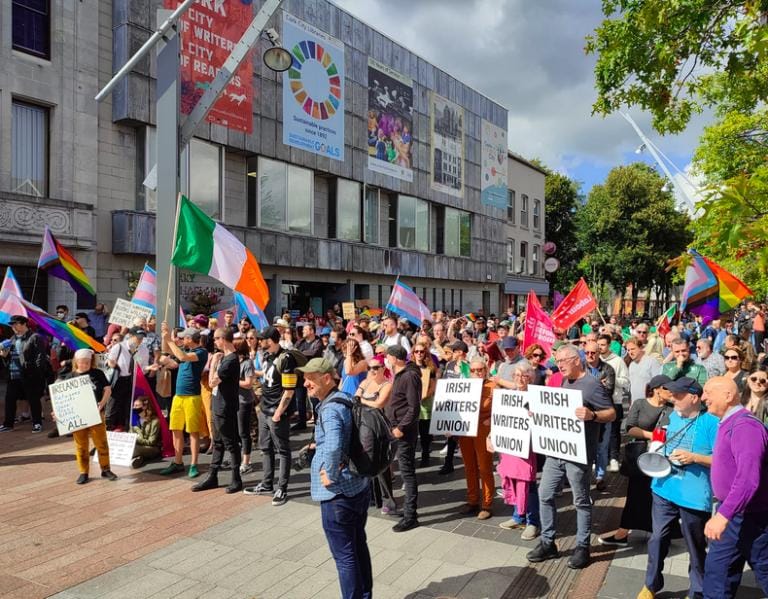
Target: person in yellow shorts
187, 405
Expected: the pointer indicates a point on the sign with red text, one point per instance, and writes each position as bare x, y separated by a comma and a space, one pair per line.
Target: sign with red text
209, 32
538, 325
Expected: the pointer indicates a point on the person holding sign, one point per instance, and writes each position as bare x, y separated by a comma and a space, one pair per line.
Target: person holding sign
83, 365
478, 463
597, 408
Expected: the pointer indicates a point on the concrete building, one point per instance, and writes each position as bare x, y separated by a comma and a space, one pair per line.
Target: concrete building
323, 230
524, 233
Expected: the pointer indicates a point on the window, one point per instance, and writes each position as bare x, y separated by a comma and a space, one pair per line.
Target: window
511, 206
371, 218
524, 211
510, 256
523, 258
29, 149
32, 27
535, 260
537, 214
412, 223
278, 182
457, 233
347, 210
201, 170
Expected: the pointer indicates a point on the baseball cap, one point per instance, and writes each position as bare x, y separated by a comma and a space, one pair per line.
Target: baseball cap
18, 319
82, 315
460, 345
191, 333
324, 332
270, 333
318, 366
685, 385
397, 351
509, 342
660, 380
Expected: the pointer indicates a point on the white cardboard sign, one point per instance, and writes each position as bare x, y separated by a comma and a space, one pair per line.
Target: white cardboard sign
125, 313
510, 423
121, 446
74, 404
556, 430
456, 407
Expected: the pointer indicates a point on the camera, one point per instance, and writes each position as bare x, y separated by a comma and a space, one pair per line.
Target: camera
304, 459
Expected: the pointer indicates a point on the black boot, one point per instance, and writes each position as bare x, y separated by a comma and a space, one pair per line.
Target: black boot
237, 482
447, 467
211, 482
424, 460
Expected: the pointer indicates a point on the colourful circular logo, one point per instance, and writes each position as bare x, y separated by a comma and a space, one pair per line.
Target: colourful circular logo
321, 97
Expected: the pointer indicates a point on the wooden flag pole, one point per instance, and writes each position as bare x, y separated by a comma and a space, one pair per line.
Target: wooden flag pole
597, 305
171, 278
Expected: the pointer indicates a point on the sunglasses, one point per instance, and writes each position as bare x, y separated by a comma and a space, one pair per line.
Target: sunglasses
760, 380
582, 342
732, 357
374, 367
418, 351
639, 332
477, 370
590, 353
538, 355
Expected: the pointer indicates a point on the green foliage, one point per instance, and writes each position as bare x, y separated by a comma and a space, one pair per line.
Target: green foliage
674, 57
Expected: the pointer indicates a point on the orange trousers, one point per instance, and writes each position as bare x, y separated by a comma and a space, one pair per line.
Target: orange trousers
207, 395
98, 433
478, 468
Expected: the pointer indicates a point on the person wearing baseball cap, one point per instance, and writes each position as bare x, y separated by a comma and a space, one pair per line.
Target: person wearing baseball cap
506, 369
685, 494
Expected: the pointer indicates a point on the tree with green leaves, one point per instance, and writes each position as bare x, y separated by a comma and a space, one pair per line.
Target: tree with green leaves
561, 195
628, 230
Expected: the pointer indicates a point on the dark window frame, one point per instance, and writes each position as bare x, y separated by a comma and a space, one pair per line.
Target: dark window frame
32, 13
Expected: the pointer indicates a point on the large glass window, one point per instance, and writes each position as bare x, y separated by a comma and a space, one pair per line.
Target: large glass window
371, 216
413, 223
524, 210
458, 232
31, 27
511, 206
510, 256
285, 197
29, 149
536, 214
348, 210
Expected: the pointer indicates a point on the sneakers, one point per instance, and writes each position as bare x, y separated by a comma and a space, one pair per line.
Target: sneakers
193, 471
137, 462
613, 540
172, 468
37, 428
542, 552
388, 510
82, 479
405, 525
511, 524
530, 533
246, 468
613, 466
260, 489
5, 429
109, 475
579, 559
646, 593
483, 514
279, 498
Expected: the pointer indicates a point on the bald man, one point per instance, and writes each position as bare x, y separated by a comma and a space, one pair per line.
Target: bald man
738, 532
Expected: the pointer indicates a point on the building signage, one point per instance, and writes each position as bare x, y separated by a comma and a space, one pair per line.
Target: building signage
447, 147
493, 178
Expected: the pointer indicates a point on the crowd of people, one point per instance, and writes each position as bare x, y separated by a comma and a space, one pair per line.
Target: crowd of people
697, 394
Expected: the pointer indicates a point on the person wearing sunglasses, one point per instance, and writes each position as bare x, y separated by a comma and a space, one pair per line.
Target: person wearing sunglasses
535, 355
734, 367
755, 394
423, 359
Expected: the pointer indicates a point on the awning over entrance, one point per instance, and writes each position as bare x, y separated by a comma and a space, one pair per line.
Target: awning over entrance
523, 286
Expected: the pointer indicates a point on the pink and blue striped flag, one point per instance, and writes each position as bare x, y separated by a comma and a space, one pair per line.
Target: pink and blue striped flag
10, 296
182, 319
146, 290
405, 303
247, 307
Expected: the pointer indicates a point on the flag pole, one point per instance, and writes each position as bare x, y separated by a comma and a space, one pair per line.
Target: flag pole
171, 278
597, 305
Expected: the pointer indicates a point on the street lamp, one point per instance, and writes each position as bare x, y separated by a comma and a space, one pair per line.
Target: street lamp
277, 58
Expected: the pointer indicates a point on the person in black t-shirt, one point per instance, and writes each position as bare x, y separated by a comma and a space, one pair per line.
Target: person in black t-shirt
279, 382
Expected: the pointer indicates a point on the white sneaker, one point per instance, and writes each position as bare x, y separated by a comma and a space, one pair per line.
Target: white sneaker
613, 466
444, 450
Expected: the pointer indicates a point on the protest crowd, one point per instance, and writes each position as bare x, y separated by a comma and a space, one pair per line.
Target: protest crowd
223, 387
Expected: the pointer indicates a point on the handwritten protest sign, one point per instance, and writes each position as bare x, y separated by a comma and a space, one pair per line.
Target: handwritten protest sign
121, 446
125, 313
348, 310
456, 407
510, 424
74, 404
556, 430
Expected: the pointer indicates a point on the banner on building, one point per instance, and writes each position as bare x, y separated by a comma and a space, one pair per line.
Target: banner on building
390, 121
456, 407
313, 90
447, 146
556, 431
510, 425
493, 181
209, 32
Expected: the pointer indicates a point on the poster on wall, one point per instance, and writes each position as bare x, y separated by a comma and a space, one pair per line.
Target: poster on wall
493, 176
209, 33
447, 127
197, 291
390, 121
313, 90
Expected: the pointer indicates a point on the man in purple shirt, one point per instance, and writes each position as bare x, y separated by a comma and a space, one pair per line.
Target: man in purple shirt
738, 532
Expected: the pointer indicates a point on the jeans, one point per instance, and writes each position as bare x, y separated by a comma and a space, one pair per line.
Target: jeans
603, 449
615, 445
225, 437
425, 438
578, 476
244, 413
532, 515
20, 389
344, 521
406, 450
745, 539
664, 514
274, 439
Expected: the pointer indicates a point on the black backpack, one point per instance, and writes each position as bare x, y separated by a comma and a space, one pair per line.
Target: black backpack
370, 447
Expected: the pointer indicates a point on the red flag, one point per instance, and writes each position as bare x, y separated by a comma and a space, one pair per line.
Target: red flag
141, 387
538, 325
577, 304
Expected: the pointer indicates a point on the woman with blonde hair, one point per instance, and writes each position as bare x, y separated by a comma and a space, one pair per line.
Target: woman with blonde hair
734, 367
421, 356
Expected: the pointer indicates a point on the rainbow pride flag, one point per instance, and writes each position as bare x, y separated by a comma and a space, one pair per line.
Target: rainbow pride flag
10, 296
58, 262
710, 290
371, 312
146, 289
68, 334
141, 388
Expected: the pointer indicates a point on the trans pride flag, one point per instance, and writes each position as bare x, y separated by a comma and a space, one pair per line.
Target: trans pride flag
247, 307
58, 262
73, 337
710, 290
146, 289
10, 298
405, 303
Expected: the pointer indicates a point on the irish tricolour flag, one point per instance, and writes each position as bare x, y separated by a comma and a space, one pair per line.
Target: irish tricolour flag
204, 246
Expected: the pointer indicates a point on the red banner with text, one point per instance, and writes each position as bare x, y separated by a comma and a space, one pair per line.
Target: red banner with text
538, 326
577, 304
209, 30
